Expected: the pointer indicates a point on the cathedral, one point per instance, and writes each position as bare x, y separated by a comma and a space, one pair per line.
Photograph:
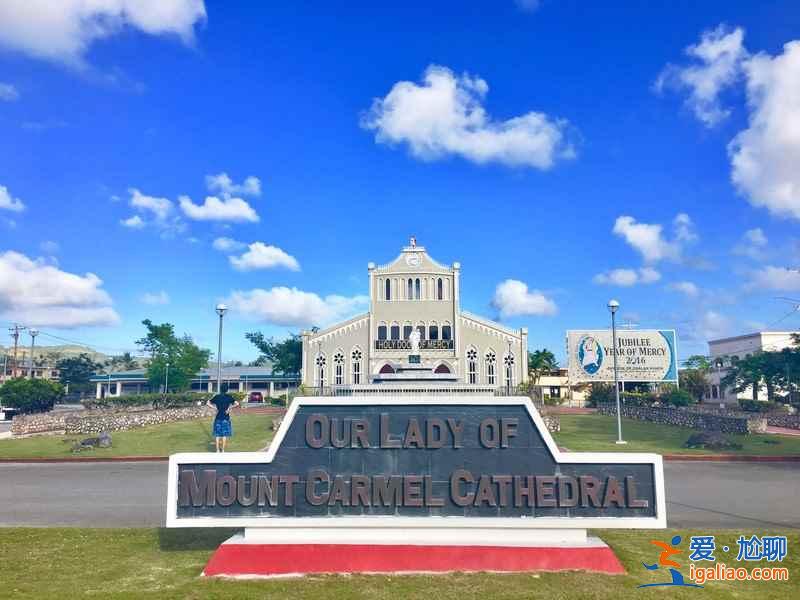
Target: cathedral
415, 337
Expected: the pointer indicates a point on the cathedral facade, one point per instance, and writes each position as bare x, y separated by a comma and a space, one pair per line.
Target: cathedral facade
415, 336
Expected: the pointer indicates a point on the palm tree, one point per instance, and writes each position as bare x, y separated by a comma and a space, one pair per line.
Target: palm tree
541, 362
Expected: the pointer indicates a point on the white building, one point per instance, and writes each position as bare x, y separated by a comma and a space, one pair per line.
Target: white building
725, 351
414, 294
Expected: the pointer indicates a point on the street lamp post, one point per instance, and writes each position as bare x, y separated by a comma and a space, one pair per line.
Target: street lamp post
613, 306
509, 370
221, 309
34, 333
166, 380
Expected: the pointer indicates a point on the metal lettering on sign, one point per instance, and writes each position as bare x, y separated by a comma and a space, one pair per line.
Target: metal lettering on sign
392, 459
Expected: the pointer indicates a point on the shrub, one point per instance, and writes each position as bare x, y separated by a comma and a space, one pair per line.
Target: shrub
760, 407
553, 400
157, 401
677, 398
30, 395
638, 398
711, 440
601, 393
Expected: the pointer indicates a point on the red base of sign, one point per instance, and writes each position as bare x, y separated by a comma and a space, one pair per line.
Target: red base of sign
232, 559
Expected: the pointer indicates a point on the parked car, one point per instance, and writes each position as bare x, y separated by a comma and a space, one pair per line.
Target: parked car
255, 397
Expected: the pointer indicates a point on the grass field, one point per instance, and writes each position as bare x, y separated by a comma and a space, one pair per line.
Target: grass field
251, 432
583, 433
160, 563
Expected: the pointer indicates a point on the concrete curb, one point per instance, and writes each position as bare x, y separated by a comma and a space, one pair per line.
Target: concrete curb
667, 457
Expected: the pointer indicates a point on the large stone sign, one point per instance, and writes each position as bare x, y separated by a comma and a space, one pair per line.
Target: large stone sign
415, 471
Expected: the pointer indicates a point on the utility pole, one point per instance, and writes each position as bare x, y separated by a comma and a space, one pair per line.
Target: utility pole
15, 331
34, 333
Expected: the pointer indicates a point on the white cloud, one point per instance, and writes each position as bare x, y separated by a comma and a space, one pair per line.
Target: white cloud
775, 278
49, 247
685, 287
512, 298
684, 228
290, 306
8, 92
215, 209
261, 256
719, 57
63, 30
765, 156
646, 238
7, 202
223, 184
711, 325
753, 244
158, 212
226, 244
154, 299
134, 222
161, 208
445, 116
627, 277
36, 293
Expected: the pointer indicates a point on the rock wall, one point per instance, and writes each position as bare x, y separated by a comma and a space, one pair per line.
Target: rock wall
784, 420
81, 424
688, 418
86, 422
553, 423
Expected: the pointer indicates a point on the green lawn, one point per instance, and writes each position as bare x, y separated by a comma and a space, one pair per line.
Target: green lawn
584, 433
160, 563
251, 432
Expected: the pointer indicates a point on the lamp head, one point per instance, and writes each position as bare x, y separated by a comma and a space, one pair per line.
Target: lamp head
34, 332
613, 305
221, 309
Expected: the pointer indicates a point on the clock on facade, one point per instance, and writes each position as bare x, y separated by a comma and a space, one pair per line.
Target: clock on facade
412, 260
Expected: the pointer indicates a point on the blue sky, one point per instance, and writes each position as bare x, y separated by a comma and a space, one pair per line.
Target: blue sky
542, 145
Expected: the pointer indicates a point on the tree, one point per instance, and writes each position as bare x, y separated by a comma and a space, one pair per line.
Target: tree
30, 395
694, 382
76, 370
541, 362
184, 357
698, 362
286, 355
124, 362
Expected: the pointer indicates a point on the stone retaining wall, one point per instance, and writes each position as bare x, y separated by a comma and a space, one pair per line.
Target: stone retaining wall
80, 422
788, 421
689, 418
553, 423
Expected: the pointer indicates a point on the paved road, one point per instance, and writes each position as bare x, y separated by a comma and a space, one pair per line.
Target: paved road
700, 495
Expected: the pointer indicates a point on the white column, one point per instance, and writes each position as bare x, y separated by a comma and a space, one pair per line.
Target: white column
271, 389
99, 393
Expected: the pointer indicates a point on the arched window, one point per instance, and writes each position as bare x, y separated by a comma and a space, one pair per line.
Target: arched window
320, 370
433, 332
381, 332
387, 368
394, 331
472, 366
422, 333
439, 289
509, 364
338, 369
416, 290
491, 366
410, 289
388, 289
442, 368
356, 364
447, 332
407, 329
